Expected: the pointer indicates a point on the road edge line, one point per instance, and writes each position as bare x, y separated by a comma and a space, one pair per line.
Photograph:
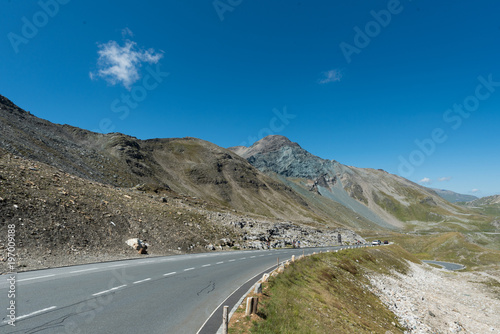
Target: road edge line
232, 293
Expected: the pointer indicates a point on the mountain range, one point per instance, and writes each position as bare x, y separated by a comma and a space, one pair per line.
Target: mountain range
274, 177
387, 200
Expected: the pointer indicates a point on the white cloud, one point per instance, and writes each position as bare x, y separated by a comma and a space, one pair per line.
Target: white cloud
474, 191
425, 180
445, 178
120, 64
331, 76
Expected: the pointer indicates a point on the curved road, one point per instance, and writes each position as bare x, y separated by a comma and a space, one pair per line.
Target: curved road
174, 294
446, 265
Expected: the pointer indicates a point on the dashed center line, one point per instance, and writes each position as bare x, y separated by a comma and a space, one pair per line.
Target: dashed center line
206, 265
243, 258
143, 280
220, 262
188, 269
112, 289
252, 257
31, 278
231, 260
172, 273
36, 312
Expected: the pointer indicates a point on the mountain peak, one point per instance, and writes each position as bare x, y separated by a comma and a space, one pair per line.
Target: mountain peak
267, 144
276, 139
271, 143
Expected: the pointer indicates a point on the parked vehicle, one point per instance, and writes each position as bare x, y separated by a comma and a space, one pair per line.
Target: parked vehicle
376, 242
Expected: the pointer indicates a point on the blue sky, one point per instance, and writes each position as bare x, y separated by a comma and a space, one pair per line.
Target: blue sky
412, 87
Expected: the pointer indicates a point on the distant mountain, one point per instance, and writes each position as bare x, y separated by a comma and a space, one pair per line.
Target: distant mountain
489, 206
453, 197
382, 198
483, 201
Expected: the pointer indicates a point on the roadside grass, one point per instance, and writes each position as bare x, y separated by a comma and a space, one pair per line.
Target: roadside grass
326, 293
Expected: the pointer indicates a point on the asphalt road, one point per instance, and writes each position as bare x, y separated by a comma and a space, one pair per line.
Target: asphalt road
174, 294
446, 265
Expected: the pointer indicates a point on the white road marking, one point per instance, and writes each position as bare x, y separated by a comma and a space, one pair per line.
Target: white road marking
252, 257
188, 269
206, 265
231, 260
119, 265
243, 258
174, 272
31, 278
36, 312
261, 255
220, 262
100, 293
112, 289
143, 280
145, 262
81, 271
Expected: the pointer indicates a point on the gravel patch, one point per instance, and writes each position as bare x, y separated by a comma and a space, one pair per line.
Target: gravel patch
430, 300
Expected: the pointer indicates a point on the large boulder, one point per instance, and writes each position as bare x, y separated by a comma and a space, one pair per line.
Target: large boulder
139, 245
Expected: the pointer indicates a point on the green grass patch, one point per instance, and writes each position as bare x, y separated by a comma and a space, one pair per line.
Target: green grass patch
326, 293
414, 211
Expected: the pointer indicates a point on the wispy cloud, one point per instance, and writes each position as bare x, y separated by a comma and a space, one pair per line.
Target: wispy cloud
425, 180
127, 32
119, 64
331, 76
474, 191
445, 178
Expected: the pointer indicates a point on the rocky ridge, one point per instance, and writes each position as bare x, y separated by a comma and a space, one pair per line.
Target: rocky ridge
489, 200
387, 200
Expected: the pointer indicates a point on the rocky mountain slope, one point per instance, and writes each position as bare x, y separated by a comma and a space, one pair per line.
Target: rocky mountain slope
186, 166
386, 200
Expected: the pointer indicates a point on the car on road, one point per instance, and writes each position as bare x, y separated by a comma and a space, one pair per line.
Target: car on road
376, 242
